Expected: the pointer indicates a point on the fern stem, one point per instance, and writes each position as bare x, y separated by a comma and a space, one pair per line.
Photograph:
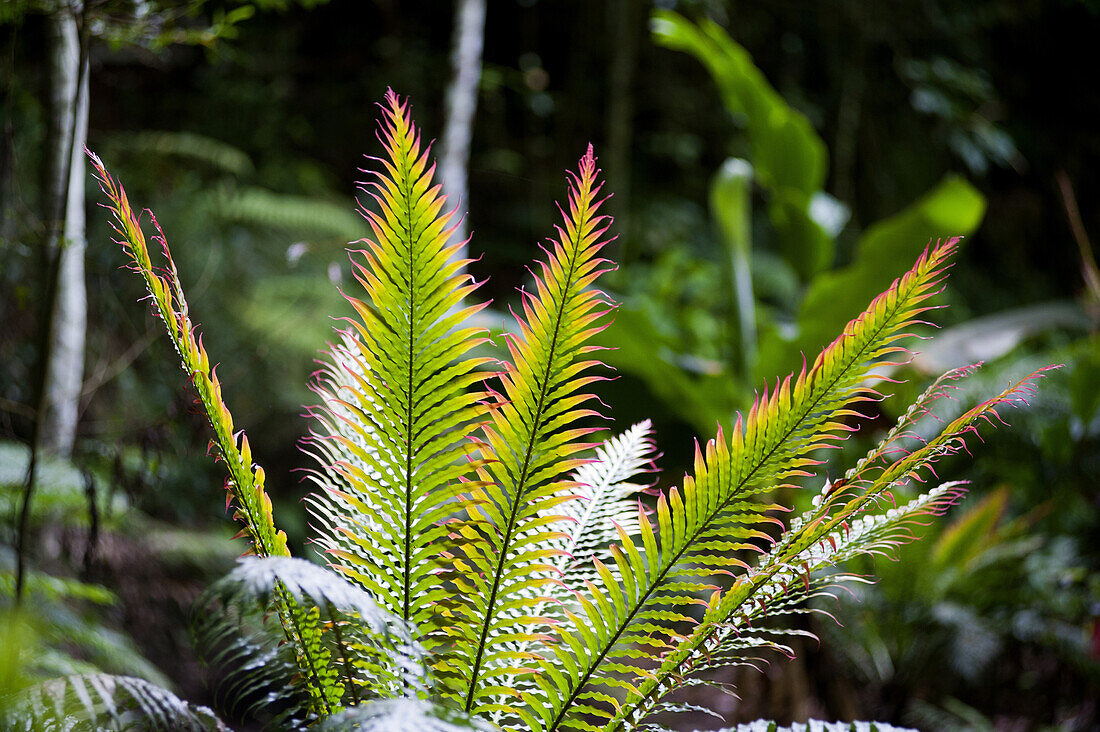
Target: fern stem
345, 653
406, 568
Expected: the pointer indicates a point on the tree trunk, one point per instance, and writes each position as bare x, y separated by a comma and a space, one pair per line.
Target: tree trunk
461, 105
63, 197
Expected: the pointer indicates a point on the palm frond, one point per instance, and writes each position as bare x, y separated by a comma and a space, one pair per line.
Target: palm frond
344, 648
531, 443
105, 702
396, 403
699, 528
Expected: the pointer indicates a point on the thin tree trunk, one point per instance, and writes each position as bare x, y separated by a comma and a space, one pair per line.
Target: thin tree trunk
63, 354
458, 128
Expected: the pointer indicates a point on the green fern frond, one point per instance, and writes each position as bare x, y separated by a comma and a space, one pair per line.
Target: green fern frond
219, 155
602, 506
396, 403
838, 528
531, 443
699, 528
105, 702
311, 216
245, 484
349, 649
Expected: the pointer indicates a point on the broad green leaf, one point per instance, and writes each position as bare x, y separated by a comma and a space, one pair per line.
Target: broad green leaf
953, 207
731, 206
789, 157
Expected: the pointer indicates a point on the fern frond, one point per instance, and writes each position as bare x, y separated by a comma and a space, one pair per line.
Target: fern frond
699, 528
403, 715
603, 488
396, 398
245, 484
531, 443
105, 702
602, 506
349, 648
833, 531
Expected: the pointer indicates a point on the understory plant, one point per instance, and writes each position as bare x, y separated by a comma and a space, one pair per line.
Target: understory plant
490, 563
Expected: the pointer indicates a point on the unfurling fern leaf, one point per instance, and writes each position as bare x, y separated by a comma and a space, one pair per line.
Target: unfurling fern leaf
467, 514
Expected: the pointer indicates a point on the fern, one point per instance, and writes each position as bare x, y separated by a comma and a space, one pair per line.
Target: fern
403, 715
395, 397
340, 633
531, 441
105, 702
476, 531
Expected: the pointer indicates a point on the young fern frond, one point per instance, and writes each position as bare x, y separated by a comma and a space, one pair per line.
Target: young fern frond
245, 484
602, 506
531, 442
396, 407
828, 534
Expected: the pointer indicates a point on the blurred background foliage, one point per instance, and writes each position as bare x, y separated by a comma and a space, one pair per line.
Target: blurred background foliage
774, 166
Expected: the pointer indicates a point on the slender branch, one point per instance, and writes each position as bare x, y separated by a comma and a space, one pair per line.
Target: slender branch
1088, 260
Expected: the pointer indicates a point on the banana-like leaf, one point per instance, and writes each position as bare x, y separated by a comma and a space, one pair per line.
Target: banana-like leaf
789, 157
952, 206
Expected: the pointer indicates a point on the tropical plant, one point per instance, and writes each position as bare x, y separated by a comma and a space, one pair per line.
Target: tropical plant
769, 287
492, 564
